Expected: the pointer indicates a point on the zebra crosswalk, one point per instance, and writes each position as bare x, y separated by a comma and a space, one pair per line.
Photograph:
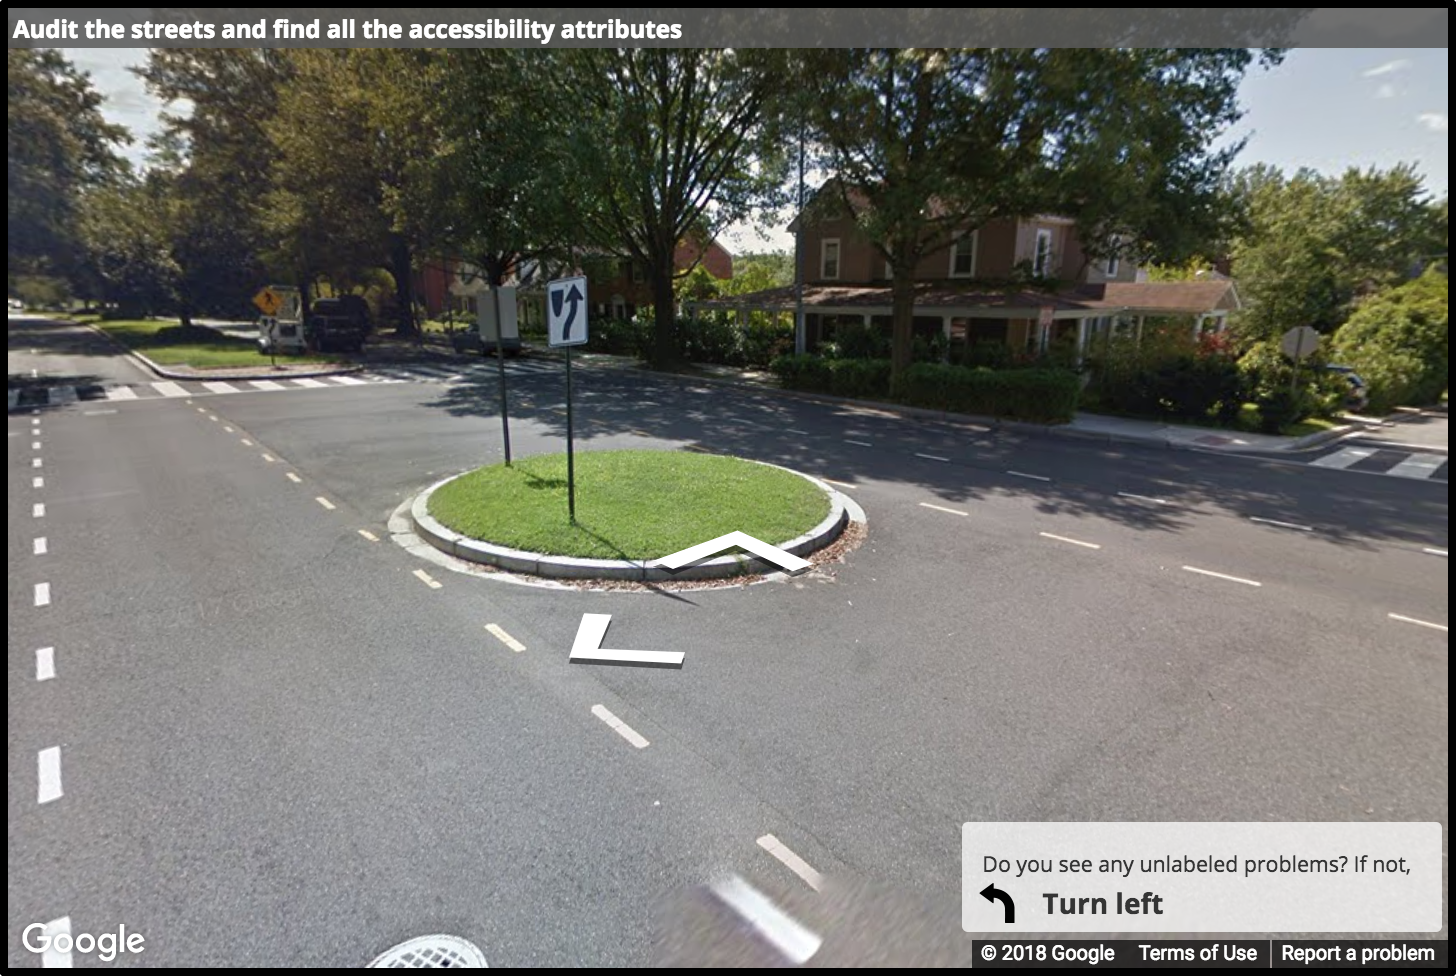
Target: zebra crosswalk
1371, 459
38, 394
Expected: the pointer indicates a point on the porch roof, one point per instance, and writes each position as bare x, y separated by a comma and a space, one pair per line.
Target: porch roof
1082, 301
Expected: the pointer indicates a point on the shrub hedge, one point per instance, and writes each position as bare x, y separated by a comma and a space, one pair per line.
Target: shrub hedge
1040, 395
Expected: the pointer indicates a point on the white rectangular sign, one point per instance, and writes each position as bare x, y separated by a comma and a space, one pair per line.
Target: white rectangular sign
1277, 878
566, 311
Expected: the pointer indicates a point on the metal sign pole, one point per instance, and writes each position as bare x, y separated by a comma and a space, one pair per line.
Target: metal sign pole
500, 355
1298, 358
570, 459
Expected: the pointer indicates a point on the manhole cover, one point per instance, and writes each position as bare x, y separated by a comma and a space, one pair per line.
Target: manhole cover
431, 952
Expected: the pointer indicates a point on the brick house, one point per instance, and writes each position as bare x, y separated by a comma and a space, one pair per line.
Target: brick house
1026, 282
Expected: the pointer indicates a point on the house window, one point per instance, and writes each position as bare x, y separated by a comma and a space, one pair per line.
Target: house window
1042, 263
963, 256
1112, 265
829, 260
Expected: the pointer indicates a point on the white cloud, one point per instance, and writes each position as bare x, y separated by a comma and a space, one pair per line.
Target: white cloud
1388, 68
1435, 121
1386, 90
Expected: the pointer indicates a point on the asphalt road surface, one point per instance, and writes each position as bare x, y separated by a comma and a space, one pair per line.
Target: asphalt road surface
247, 725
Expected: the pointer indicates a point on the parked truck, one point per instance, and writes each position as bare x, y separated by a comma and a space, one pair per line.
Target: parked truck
332, 325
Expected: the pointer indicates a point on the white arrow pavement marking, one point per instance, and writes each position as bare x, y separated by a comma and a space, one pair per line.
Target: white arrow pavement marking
588, 647
786, 561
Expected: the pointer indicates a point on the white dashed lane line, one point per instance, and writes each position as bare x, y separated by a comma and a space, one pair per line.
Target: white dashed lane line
427, 579
40, 546
1142, 498
792, 861
1075, 542
50, 774
369, 535
932, 457
1032, 477
792, 940
36, 463
1434, 552
505, 638
38, 510
1281, 525
1231, 579
42, 594
1418, 623
620, 727
294, 478
858, 443
37, 482
45, 663
54, 958
247, 443
325, 503
941, 508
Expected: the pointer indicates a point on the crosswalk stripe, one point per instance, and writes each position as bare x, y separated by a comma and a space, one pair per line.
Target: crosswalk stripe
266, 385
1343, 458
61, 394
348, 380
1418, 466
170, 390
217, 386
121, 393
308, 383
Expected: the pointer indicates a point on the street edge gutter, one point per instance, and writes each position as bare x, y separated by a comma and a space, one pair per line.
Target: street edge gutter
997, 423
640, 571
262, 373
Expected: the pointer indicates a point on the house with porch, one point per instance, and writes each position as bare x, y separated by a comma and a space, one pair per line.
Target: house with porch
1026, 283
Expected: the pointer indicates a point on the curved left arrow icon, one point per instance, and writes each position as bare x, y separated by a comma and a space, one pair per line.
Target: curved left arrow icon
993, 894
587, 649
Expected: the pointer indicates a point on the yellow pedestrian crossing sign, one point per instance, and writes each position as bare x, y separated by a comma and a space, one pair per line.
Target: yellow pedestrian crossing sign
268, 301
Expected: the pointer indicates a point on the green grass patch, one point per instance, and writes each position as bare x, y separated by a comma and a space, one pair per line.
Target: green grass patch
167, 343
1309, 425
629, 504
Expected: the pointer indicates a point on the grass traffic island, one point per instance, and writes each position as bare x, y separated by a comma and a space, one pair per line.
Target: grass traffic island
630, 505
167, 343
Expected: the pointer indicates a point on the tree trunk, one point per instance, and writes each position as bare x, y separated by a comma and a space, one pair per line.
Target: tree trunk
902, 335
665, 352
401, 267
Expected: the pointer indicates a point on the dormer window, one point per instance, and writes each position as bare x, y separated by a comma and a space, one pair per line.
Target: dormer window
1041, 265
829, 260
963, 256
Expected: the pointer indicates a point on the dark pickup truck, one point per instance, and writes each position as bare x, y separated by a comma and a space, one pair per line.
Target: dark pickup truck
338, 324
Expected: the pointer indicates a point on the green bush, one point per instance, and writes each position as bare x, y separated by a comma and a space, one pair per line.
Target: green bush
855, 340
1041, 395
858, 378
711, 339
1399, 342
765, 341
621, 337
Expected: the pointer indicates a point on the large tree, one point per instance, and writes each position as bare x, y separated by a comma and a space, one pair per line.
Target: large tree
215, 141
1316, 244
928, 143
60, 145
668, 144
494, 190
351, 129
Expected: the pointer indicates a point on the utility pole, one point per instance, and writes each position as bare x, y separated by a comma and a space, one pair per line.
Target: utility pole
801, 339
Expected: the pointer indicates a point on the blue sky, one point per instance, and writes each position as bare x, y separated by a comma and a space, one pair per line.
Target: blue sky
1325, 108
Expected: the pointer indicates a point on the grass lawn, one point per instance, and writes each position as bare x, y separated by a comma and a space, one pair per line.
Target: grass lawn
166, 343
629, 504
1310, 425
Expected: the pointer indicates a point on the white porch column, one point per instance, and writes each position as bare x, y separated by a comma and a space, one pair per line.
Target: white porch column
1140, 330
1081, 340
1197, 326
945, 330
